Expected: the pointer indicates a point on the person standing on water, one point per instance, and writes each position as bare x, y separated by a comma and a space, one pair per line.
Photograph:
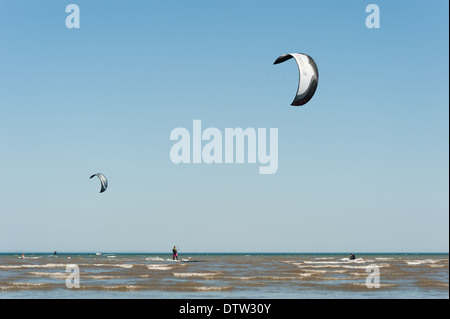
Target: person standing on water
175, 253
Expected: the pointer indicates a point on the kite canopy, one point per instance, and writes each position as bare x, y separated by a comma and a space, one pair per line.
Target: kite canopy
103, 181
309, 76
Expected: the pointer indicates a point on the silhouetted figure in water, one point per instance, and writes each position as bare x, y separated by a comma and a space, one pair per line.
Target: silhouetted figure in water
352, 256
175, 253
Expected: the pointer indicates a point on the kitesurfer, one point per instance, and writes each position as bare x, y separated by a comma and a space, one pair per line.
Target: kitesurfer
174, 253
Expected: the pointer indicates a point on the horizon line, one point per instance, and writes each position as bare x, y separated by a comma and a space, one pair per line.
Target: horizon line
220, 252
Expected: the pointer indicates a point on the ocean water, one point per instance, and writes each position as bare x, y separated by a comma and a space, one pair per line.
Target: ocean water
224, 276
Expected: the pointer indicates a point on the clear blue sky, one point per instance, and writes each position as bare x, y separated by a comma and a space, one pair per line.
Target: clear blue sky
363, 167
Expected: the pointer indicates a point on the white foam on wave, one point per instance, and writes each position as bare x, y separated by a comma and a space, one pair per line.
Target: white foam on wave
57, 275
316, 271
123, 265
195, 274
365, 267
159, 267
213, 288
384, 258
299, 264
25, 285
354, 267
421, 262
321, 272
332, 278
177, 260
382, 285
113, 265
357, 260
321, 266
343, 263
280, 278
51, 265
335, 262
29, 284
242, 278
362, 274
102, 277
154, 258
322, 262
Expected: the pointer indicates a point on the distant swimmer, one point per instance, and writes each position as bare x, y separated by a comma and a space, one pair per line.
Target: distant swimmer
68, 257
175, 253
23, 256
55, 253
352, 256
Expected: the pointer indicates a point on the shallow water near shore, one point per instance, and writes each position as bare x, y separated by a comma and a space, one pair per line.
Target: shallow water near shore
222, 276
